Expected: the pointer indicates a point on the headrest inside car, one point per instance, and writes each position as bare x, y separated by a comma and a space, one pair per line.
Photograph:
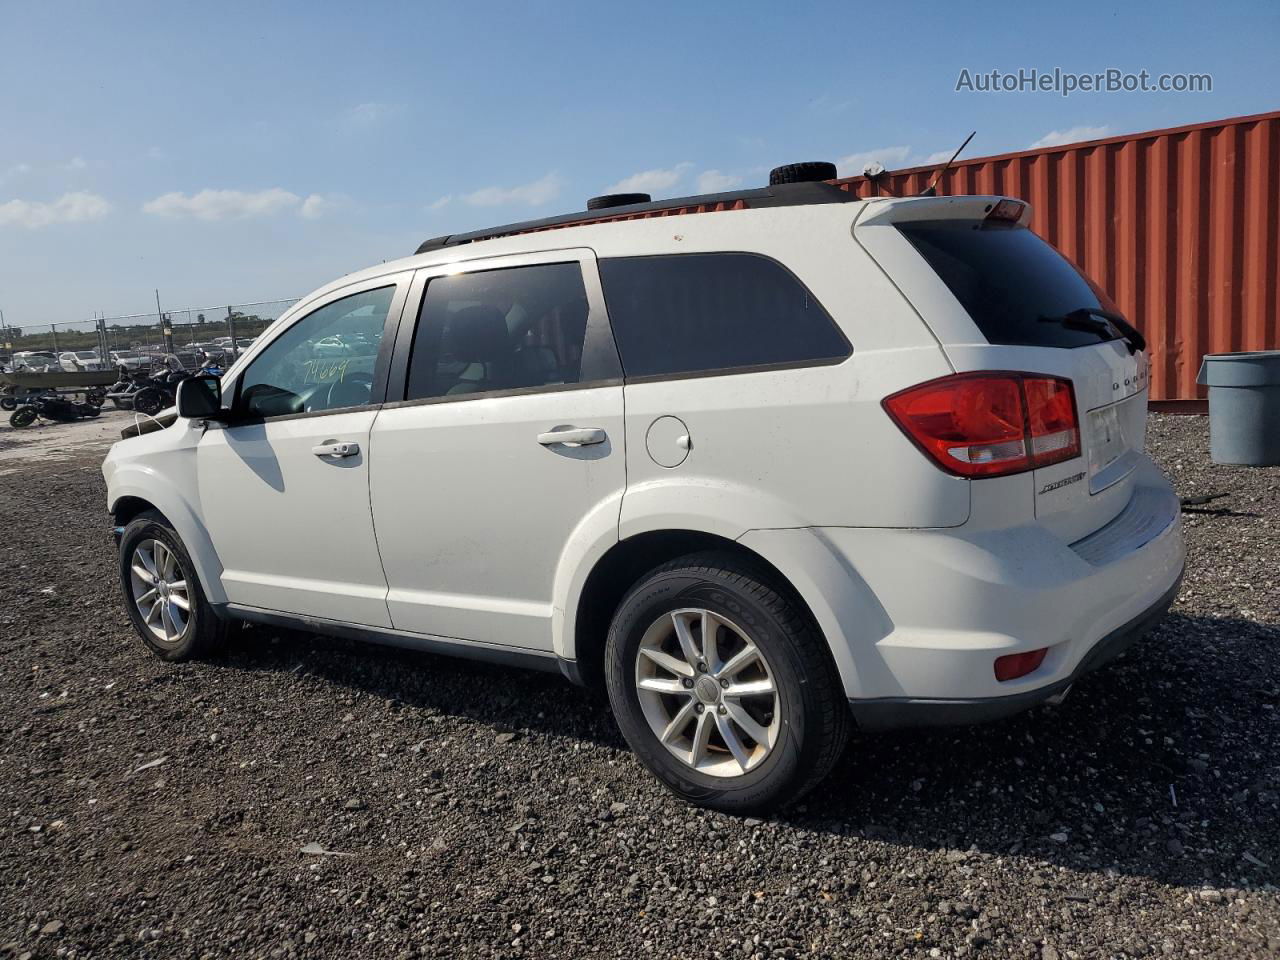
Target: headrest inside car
476, 335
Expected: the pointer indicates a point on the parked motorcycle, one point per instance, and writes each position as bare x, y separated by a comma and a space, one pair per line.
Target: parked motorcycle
122, 391
151, 393
158, 392
53, 408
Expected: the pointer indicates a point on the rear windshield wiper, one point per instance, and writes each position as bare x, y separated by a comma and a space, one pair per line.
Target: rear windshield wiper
1102, 322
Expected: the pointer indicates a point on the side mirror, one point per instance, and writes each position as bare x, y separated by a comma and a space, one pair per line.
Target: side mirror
200, 398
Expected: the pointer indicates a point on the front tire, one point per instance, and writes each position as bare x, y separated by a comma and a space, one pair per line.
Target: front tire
745, 723
23, 417
162, 593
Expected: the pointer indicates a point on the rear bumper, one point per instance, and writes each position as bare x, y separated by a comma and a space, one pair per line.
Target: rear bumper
895, 713
915, 618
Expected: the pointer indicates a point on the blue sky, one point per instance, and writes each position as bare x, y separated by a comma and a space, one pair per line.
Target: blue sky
242, 151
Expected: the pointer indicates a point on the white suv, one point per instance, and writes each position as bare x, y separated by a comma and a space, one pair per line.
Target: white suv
765, 465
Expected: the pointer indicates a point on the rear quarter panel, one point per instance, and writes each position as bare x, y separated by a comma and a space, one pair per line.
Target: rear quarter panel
805, 446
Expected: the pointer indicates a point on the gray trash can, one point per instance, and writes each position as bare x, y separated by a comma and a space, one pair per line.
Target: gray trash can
1244, 407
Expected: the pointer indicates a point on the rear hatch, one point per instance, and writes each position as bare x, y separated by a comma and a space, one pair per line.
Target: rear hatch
998, 297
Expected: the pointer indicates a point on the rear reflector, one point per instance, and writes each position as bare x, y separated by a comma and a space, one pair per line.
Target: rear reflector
1015, 665
990, 424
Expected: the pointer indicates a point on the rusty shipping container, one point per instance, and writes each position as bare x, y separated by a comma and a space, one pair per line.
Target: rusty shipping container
1181, 226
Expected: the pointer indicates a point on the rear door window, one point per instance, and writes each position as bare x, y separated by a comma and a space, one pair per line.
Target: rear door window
512, 328
714, 312
1015, 287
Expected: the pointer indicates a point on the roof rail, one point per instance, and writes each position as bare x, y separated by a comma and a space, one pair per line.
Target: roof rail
778, 195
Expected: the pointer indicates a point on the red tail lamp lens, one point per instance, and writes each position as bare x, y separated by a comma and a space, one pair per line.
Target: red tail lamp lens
1015, 665
990, 424
1051, 420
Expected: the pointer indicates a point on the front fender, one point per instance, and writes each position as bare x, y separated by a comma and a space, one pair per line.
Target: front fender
156, 488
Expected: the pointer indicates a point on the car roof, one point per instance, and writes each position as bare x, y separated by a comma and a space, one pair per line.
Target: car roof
609, 233
709, 223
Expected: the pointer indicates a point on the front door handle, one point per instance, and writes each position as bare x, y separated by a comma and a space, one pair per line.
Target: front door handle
336, 449
579, 436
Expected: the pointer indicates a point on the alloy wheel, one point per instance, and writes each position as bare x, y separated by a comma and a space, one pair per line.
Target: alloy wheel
160, 591
707, 692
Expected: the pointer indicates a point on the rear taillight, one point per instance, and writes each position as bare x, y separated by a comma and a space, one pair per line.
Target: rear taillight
990, 424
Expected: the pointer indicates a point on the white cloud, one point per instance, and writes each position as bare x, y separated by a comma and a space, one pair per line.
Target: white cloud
1055, 138
317, 205
651, 181
713, 181
941, 156
365, 115
223, 204
69, 208
441, 202
75, 163
891, 157
529, 194
828, 104
17, 170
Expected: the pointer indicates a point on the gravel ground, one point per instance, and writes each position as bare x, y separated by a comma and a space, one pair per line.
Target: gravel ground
465, 810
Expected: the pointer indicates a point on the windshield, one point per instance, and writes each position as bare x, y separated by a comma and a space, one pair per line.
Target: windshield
1018, 290
86, 355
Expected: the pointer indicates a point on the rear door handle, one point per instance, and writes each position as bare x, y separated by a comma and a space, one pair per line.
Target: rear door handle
580, 436
336, 449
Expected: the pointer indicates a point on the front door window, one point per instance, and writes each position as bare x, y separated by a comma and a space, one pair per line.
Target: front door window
325, 361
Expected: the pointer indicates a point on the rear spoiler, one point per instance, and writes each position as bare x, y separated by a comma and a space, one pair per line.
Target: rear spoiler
905, 209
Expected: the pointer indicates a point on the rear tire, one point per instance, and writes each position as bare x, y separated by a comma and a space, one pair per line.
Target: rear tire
173, 634
761, 750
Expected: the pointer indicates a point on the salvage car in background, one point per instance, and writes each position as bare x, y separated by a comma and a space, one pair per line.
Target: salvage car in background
81, 361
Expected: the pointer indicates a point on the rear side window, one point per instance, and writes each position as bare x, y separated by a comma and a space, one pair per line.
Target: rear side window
708, 312
1015, 287
507, 329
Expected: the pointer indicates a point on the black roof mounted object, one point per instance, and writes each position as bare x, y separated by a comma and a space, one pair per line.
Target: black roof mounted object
777, 195
617, 200
808, 172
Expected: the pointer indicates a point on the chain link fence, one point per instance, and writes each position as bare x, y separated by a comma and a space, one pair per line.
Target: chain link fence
193, 334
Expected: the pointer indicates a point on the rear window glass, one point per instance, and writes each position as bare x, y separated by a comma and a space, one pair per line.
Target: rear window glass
702, 312
1015, 287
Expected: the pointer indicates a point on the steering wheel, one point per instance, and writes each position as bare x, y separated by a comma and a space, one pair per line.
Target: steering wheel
352, 390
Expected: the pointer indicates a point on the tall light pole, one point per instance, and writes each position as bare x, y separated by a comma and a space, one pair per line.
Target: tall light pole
166, 328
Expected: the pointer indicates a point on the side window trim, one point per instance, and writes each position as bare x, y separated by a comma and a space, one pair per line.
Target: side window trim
378, 391
599, 353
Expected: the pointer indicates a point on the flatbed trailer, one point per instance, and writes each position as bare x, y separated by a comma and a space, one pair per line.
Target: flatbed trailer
15, 388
